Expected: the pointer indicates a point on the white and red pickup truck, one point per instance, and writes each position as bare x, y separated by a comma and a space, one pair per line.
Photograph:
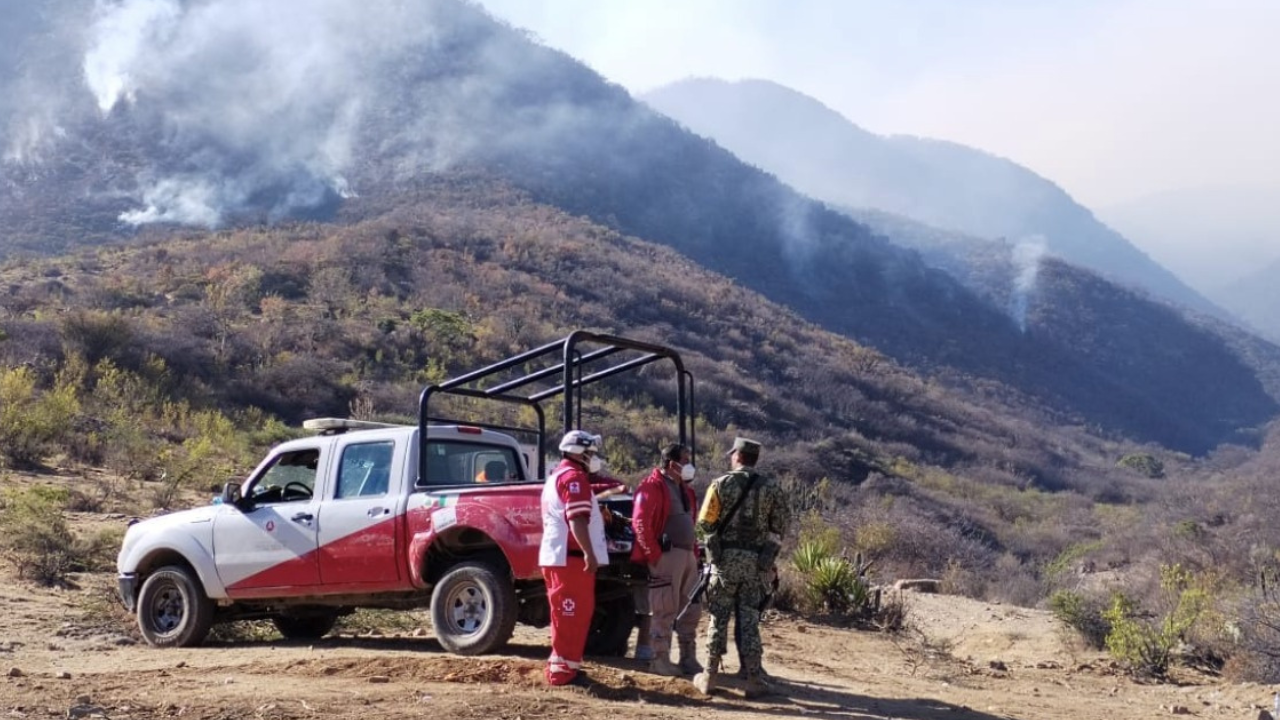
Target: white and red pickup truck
371, 515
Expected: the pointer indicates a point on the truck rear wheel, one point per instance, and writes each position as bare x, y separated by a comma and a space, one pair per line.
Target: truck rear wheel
611, 626
173, 610
473, 609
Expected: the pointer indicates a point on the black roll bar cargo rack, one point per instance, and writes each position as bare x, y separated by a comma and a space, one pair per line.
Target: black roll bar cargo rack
514, 376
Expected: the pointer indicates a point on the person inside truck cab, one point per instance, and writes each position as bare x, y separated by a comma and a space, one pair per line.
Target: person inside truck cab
494, 471
573, 547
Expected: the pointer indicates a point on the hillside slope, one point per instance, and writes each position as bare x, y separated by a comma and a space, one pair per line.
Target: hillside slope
951, 186
1256, 298
372, 123
470, 273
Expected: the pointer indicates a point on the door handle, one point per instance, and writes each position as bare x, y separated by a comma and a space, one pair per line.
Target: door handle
305, 517
376, 511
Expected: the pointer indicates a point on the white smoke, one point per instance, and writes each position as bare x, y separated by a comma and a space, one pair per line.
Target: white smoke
124, 45
796, 225
1026, 257
190, 201
268, 109
30, 136
254, 94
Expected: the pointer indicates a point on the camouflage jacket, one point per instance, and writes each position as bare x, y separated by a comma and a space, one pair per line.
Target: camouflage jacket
758, 526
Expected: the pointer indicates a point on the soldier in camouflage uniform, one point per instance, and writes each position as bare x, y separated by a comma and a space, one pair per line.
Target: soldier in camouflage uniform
742, 552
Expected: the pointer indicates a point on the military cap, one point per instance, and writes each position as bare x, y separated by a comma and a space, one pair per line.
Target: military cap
748, 447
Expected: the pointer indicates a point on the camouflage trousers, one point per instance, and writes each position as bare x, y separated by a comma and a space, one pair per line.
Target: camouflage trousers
741, 599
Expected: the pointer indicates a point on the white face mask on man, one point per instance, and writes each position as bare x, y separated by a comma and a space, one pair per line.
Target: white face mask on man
595, 464
687, 471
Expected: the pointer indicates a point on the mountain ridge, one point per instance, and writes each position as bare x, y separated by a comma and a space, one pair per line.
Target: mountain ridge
475, 94
937, 182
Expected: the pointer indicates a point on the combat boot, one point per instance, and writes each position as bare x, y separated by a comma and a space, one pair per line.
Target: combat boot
662, 665
744, 674
756, 687
705, 681
689, 664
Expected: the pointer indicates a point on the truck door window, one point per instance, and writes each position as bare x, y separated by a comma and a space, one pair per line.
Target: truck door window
291, 478
451, 462
365, 470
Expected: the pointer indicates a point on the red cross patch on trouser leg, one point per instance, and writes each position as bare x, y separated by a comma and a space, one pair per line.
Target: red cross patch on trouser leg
571, 592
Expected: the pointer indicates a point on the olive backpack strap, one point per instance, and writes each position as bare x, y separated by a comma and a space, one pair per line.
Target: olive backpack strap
728, 517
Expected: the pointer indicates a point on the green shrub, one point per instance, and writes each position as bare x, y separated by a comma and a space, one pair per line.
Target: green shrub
32, 422
35, 538
1144, 464
1142, 647
835, 586
1066, 560
829, 583
98, 553
1082, 614
1145, 643
808, 555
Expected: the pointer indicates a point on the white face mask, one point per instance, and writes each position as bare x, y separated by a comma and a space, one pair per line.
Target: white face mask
687, 472
595, 464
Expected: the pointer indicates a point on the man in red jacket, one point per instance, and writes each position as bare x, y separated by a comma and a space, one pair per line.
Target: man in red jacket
663, 518
573, 548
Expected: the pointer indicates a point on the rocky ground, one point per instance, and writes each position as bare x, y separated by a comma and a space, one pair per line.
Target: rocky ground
72, 653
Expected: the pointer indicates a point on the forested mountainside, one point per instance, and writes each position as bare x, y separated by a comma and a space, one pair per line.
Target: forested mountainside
943, 184
154, 352
451, 88
302, 320
1008, 275
1256, 299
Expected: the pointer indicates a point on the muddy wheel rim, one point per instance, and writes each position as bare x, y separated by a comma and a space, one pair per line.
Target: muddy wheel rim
167, 609
467, 609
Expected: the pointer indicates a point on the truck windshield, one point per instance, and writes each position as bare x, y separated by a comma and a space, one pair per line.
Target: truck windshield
454, 462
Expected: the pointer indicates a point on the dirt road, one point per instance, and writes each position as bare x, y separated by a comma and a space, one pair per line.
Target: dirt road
67, 653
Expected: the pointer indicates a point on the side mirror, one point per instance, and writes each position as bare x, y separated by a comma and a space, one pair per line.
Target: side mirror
230, 494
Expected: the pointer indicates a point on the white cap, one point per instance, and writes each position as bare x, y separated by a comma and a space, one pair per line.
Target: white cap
579, 441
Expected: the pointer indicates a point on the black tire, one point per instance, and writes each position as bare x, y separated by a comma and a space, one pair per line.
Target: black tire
305, 627
473, 609
173, 610
611, 626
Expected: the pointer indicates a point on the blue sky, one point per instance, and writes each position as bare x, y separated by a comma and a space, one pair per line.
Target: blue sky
1112, 99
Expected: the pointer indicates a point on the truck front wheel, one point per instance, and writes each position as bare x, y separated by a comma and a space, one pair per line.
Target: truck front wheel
173, 610
473, 609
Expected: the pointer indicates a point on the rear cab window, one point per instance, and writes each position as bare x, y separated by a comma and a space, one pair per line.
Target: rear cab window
458, 462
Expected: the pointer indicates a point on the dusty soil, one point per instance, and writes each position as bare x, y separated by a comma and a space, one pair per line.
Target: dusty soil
71, 653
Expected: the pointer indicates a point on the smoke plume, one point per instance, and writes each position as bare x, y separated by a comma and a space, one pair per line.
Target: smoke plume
1027, 255
270, 108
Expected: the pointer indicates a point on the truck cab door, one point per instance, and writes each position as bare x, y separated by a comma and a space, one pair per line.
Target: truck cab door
269, 539
360, 517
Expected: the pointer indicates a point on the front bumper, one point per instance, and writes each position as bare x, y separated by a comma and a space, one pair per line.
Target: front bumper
128, 583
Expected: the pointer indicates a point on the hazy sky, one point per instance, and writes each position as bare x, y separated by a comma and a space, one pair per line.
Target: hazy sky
1111, 99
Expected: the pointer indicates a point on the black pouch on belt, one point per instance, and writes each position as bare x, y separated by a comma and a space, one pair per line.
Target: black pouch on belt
664, 542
